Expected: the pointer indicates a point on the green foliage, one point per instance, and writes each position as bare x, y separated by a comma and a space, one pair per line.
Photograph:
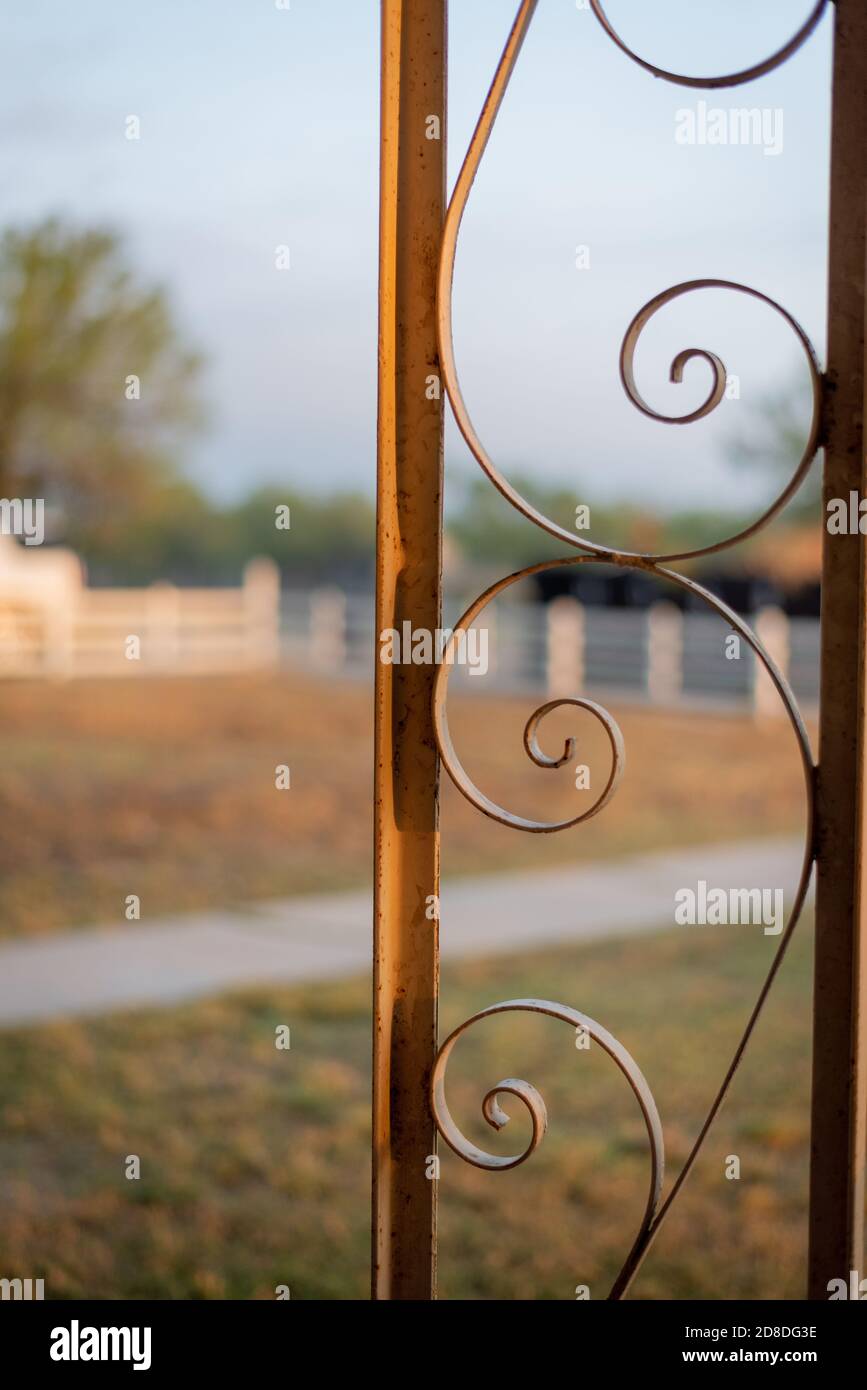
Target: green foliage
490, 532
330, 537
180, 534
74, 326
177, 534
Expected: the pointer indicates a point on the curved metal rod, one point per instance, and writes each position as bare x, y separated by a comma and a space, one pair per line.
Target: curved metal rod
734, 79
541, 759
448, 365
527, 1094
535, 1105
490, 808
627, 376
477, 798
484, 803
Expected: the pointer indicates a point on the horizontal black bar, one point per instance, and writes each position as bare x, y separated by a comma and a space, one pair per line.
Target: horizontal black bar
72, 1339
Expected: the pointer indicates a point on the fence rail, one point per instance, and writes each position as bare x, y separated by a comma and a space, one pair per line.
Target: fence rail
661, 654
62, 629
52, 625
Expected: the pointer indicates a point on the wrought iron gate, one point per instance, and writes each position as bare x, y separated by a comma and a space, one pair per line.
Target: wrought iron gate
418, 238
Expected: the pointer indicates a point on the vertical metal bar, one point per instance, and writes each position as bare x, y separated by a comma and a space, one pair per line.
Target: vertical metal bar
839, 1111
409, 580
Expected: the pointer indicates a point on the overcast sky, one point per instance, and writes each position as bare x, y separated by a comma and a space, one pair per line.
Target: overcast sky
259, 127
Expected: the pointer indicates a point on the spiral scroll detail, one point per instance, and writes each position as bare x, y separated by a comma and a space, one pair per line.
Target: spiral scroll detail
535, 1106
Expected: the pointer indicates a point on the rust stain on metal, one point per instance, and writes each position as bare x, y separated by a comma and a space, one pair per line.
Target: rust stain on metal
409, 562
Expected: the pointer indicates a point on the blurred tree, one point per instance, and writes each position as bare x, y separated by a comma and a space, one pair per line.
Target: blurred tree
772, 441
330, 539
95, 382
178, 535
488, 530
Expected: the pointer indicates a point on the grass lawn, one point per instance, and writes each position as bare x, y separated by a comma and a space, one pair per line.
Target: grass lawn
255, 1163
165, 789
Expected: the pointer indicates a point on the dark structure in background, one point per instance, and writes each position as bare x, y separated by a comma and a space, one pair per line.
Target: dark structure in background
745, 593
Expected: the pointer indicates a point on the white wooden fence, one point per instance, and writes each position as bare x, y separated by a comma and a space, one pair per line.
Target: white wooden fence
52, 624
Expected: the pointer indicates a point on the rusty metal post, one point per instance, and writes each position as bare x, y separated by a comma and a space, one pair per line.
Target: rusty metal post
839, 1117
408, 581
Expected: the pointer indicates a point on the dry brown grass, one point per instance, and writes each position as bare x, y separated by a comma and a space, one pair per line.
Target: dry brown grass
165, 788
256, 1163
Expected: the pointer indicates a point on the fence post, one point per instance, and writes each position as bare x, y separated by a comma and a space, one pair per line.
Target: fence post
664, 653
328, 630
772, 630
58, 637
564, 652
261, 601
162, 636
58, 613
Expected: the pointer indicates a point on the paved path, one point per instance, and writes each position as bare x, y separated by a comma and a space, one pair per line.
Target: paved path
303, 939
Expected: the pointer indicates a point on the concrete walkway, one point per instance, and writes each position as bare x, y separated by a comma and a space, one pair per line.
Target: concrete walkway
305, 939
